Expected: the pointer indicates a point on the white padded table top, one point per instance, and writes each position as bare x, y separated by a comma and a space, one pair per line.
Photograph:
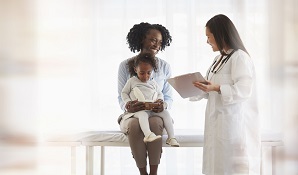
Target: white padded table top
184, 136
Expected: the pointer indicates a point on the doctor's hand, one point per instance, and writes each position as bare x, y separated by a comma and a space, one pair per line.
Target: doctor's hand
134, 106
207, 87
158, 108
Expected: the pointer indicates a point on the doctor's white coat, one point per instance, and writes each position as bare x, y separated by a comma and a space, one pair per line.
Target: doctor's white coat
232, 134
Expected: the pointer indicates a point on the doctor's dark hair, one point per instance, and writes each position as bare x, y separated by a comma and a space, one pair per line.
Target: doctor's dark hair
139, 31
141, 58
225, 33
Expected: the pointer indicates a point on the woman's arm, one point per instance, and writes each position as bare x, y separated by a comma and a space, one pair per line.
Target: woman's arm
167, 89
123, 75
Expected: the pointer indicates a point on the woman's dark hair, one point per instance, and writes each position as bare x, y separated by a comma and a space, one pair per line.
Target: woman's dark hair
225, 33
141, 58
139, 31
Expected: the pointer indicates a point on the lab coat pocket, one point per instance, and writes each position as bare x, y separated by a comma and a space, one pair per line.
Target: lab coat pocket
228, 127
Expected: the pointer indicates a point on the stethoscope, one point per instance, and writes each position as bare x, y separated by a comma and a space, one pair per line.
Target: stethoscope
216, 68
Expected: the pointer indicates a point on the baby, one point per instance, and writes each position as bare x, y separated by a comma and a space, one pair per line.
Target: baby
140, 87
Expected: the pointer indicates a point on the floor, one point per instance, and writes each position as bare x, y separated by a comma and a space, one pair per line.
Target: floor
43, 160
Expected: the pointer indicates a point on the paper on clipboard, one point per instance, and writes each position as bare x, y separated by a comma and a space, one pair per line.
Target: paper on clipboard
183, 84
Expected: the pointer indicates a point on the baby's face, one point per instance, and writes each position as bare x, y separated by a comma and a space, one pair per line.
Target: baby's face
143, 71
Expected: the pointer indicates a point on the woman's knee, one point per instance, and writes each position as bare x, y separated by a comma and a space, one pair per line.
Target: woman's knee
156, 124
134, 125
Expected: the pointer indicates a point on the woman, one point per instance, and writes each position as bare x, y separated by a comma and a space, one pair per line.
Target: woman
145, 38
232, 139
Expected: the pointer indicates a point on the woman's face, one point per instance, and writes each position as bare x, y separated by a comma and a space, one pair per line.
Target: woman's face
152, 42
143, 71
211, 40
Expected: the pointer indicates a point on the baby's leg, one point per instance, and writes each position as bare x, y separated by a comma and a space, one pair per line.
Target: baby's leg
144, 123
168, 122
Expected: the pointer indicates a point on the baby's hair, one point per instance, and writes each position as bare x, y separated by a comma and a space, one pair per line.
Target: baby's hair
142, 58
139, 31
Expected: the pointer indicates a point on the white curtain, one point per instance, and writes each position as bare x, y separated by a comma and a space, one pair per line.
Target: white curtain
60, 60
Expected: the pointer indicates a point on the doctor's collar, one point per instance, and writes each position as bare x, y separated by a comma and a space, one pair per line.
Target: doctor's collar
227, 52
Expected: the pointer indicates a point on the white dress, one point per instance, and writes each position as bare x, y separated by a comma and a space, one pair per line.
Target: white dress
134, 89
232, 135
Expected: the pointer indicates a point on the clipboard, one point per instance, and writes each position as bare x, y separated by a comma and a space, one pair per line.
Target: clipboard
183, 84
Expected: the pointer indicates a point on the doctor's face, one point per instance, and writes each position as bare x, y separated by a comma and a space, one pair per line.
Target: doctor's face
211, 41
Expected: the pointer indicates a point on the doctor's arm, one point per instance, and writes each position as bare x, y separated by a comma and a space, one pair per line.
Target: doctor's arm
207, 87
242, 74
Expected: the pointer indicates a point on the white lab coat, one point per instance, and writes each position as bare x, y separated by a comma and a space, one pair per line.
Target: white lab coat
232, 135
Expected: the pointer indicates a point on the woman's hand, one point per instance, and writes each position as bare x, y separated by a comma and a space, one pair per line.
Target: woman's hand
134, 106
158, 108
207, 87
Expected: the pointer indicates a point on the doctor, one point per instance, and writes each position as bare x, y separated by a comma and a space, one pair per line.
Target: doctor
232, 137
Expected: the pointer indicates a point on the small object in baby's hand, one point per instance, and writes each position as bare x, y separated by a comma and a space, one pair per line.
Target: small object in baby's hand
150, 105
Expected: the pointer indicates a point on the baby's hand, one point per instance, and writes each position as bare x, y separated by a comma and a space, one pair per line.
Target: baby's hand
158, 108
135, 106
160, 101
